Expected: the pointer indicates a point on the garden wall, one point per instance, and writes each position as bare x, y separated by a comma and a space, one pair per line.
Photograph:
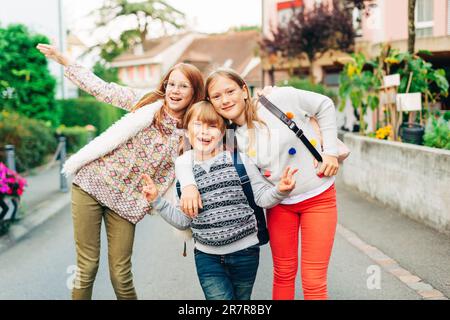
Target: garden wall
413, 179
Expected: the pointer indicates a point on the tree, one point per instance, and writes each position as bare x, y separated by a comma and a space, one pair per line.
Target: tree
311, 33
26, 85
144, 14
360, 4
411, 25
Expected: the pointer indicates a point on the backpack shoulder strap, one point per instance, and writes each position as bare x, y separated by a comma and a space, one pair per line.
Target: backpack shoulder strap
263, 234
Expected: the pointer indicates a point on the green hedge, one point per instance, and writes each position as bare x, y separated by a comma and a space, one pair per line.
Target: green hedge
76, 137
33, 139
87, 110
308, 86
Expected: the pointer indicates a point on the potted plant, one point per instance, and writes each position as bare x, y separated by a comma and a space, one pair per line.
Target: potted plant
359, 85
11, 189
418, 77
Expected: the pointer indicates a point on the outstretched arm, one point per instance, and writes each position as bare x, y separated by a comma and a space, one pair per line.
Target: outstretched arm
112, 93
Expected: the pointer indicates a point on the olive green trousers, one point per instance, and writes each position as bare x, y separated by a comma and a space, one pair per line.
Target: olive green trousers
87, 214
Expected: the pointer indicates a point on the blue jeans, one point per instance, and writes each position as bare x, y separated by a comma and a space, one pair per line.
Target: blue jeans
229, 276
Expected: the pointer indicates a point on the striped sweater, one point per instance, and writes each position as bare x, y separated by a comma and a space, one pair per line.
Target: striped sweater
227, 222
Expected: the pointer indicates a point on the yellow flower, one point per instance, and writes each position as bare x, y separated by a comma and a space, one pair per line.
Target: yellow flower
351, 70
383, 132
392, 60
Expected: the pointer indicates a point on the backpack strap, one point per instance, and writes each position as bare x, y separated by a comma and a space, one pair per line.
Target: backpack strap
178, 186
263, 233
291, 125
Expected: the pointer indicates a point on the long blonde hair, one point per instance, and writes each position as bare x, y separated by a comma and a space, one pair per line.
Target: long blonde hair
195, 77
250, 108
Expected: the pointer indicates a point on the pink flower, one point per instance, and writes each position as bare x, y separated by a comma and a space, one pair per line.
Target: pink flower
11, 182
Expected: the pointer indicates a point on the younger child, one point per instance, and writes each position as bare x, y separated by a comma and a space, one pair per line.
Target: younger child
225, 230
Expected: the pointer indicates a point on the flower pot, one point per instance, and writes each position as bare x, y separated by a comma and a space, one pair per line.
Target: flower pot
412, 133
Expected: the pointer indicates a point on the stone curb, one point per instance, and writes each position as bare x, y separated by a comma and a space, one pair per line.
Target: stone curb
423, 289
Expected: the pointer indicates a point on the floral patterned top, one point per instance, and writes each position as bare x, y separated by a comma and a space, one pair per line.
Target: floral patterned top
115, 179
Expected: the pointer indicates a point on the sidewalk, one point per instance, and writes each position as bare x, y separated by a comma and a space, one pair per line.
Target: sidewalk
41, 200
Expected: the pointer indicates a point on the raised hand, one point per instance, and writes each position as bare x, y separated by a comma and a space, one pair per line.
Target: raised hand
51, 52
263, 92
149, 191
287, 181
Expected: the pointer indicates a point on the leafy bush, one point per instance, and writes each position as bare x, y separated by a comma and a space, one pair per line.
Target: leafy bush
309, 86
87, 110
33, 139
26, 85
437, 133
76, 137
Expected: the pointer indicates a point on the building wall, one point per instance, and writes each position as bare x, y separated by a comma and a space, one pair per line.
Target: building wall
413, 179
389, 21
143, 76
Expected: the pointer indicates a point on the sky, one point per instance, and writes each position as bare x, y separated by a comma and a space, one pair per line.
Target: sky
210, 16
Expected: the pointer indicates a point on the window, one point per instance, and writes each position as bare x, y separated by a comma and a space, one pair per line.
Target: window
141, 70
424, 18
284, 10
331, 79
123, 75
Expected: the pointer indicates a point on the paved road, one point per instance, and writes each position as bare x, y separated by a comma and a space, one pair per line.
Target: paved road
40, 266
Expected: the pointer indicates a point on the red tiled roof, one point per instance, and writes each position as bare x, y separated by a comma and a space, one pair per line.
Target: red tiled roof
212, 51
152, 47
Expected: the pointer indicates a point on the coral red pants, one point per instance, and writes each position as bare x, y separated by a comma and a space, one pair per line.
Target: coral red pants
316, 217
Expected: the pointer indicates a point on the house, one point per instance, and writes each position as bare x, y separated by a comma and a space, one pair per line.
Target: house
387, 22
144, 66
235, 50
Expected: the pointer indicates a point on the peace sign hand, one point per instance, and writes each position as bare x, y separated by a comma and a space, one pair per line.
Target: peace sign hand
287, 181
149, 191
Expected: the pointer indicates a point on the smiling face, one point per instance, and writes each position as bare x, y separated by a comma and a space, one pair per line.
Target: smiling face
205, 138
205, 129
179, 92
228, 98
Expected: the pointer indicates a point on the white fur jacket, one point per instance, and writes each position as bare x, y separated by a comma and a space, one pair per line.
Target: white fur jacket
120, 132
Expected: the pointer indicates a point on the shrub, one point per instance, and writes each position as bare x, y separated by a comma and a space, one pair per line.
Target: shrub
33, 139
87, 110
309, 86
437, 133
76, 137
